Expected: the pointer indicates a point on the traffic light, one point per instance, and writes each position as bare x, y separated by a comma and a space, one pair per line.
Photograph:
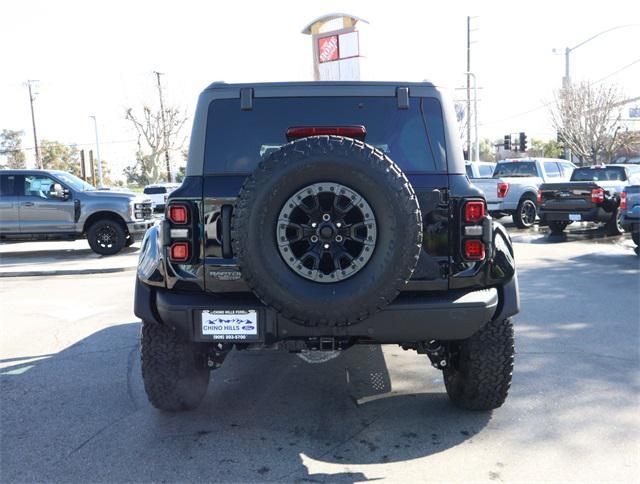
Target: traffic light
523, 142
507, 142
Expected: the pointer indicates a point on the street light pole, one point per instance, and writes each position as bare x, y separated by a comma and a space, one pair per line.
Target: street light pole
476, 143
164, 128
33, 121
95, 125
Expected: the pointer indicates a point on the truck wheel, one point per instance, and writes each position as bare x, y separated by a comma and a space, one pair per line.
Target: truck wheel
174, 377
525, 215
327, 230
479, 376
129, 242
557, 227
614, 225
106, 237
635, 236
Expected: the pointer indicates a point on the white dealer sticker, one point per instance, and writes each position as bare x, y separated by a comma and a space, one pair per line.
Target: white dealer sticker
230, 324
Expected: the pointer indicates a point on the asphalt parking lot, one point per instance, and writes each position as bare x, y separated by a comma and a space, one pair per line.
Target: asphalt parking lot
73, 408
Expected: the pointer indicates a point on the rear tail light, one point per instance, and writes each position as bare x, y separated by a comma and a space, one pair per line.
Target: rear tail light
623, 200
503, 189
179, 251
473, 249
178, 214
539, 197
473, 212
597, 195
297, 132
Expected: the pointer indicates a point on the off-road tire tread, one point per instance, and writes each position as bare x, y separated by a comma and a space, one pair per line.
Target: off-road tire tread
376, 160
481, 378
557, 227
172, 376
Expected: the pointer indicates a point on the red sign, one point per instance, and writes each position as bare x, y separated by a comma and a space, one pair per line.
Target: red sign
328, 48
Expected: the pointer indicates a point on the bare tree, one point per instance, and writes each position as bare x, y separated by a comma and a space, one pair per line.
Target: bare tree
152, 144
586, 117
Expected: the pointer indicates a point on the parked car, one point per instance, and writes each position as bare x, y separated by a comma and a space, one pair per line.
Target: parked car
592, 195
55, 205
315, 216
514, 186
158, 194
479, 169
630, 208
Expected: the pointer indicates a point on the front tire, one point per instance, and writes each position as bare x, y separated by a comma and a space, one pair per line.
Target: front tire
175, 377
525, 215
106, 237
479, 376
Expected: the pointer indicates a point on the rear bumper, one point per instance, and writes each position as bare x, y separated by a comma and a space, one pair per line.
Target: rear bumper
411, 318
596, 214
501, 206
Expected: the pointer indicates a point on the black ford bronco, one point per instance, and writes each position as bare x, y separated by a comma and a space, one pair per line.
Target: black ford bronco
315, 216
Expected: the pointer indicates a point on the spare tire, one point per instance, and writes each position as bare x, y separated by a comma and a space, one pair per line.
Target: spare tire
327, 230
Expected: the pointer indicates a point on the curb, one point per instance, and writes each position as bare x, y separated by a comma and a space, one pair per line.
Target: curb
69, 272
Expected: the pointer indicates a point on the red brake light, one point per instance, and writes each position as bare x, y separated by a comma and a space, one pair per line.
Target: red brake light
503, 189
623, 201
179, 251
597, 195
178, 214
473, 212
473, 249
539, 197
297, 132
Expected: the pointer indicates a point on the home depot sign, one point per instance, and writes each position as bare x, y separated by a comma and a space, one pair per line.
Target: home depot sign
336, 47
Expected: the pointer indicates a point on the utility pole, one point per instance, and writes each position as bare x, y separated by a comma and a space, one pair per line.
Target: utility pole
95, 125
164, 128
468, 87
33, 121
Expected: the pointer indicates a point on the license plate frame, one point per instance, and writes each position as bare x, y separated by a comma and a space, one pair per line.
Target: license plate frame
237, 325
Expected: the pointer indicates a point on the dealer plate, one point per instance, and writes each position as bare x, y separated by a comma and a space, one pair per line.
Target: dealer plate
231, 324
575, 217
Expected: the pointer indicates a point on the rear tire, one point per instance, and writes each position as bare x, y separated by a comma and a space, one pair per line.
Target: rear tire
106, 237
614, 225
557, 227
173, 371
525, 215
479, 376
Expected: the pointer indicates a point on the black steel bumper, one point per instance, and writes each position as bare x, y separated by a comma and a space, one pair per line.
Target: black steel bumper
596, 214
411, 318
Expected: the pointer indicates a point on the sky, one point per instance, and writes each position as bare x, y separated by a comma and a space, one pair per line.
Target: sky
98, 58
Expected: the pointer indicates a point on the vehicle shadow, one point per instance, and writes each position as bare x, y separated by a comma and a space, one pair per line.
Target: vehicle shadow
82, 415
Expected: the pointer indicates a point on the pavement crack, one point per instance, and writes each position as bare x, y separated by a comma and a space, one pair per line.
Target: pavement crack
130, 363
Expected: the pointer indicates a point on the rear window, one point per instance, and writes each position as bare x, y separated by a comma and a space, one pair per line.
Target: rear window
238, 140
516, 169
609, 173
7, 185
154, 190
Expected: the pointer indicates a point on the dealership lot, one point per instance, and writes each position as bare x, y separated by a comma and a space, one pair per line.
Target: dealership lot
73, 406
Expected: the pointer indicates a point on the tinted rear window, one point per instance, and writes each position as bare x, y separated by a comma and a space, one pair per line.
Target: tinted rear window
515, 169
154, 190
7, 185
238, 140
599, 174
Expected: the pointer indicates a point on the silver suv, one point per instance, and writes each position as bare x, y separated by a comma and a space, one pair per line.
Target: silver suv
55, 205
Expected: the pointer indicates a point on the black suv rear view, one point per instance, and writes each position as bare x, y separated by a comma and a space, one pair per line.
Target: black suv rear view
316, 216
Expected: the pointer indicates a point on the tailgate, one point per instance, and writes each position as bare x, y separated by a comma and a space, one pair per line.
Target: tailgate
567, 197
489, 186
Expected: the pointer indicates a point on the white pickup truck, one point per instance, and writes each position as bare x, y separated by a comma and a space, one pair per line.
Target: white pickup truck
514, 186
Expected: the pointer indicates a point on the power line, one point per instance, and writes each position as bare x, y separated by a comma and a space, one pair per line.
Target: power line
70, 145
617, 72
